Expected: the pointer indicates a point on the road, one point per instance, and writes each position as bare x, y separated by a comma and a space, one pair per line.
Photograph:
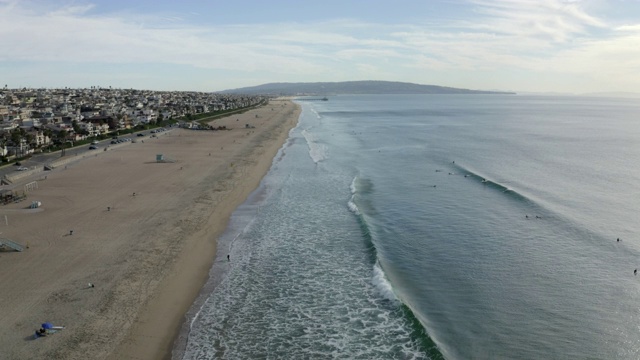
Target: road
39, 160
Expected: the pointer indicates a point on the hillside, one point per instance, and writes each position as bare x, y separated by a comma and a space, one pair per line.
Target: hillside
351, 87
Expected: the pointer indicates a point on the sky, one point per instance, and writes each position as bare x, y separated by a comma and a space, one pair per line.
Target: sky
565, 46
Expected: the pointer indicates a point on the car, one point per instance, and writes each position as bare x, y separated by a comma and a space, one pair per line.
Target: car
22, 168
114, 142
139, 134
94, 143
92, 147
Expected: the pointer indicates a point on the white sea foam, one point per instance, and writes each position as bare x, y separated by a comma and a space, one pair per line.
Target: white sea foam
351, 204
353, 207
380, 282
318, 152
300, 283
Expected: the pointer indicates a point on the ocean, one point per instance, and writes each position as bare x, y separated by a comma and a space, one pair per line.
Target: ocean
436, 227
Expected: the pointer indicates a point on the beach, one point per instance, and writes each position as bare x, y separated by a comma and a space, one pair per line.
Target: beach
351, 251
122, 243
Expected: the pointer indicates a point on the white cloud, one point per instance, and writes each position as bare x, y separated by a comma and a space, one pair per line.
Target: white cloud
535, 36
549, 19
633, 28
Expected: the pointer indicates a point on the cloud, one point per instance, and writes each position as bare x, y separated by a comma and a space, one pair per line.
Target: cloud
633, 28
553, 20
71, 34
537, 36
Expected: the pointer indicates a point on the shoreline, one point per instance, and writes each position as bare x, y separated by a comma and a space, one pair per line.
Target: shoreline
206, 255
149, 254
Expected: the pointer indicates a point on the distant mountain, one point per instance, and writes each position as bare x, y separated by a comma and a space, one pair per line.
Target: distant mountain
351, 87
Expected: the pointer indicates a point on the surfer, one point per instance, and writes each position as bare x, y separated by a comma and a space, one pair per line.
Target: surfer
635, 272
228, 257
526, 216
618, 240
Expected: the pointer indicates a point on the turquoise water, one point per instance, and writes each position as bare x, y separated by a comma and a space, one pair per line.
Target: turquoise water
430, 227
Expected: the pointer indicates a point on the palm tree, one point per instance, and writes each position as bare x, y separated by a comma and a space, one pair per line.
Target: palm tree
3, 144
48, 134
17, 136
31, 140
62, 138
62, 135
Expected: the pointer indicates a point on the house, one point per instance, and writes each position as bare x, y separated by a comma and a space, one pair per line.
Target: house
102, 124
7, 126
40, 138
20, 149
87, 127
31, 123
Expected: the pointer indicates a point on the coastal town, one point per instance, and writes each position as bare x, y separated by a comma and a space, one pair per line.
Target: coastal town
37, 120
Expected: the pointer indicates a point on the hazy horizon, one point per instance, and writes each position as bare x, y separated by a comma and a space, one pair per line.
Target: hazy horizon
556, 46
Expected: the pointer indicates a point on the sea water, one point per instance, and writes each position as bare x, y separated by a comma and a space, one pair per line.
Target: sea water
436, 227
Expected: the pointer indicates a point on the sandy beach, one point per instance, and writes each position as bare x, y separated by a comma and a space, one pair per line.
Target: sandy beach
147, 254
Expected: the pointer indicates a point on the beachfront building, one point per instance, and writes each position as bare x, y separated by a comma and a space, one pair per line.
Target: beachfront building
83, 113
102, 124
40, 138
19, 148
87, 128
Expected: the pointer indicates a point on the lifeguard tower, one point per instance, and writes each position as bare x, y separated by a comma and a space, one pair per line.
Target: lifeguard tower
163, 159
